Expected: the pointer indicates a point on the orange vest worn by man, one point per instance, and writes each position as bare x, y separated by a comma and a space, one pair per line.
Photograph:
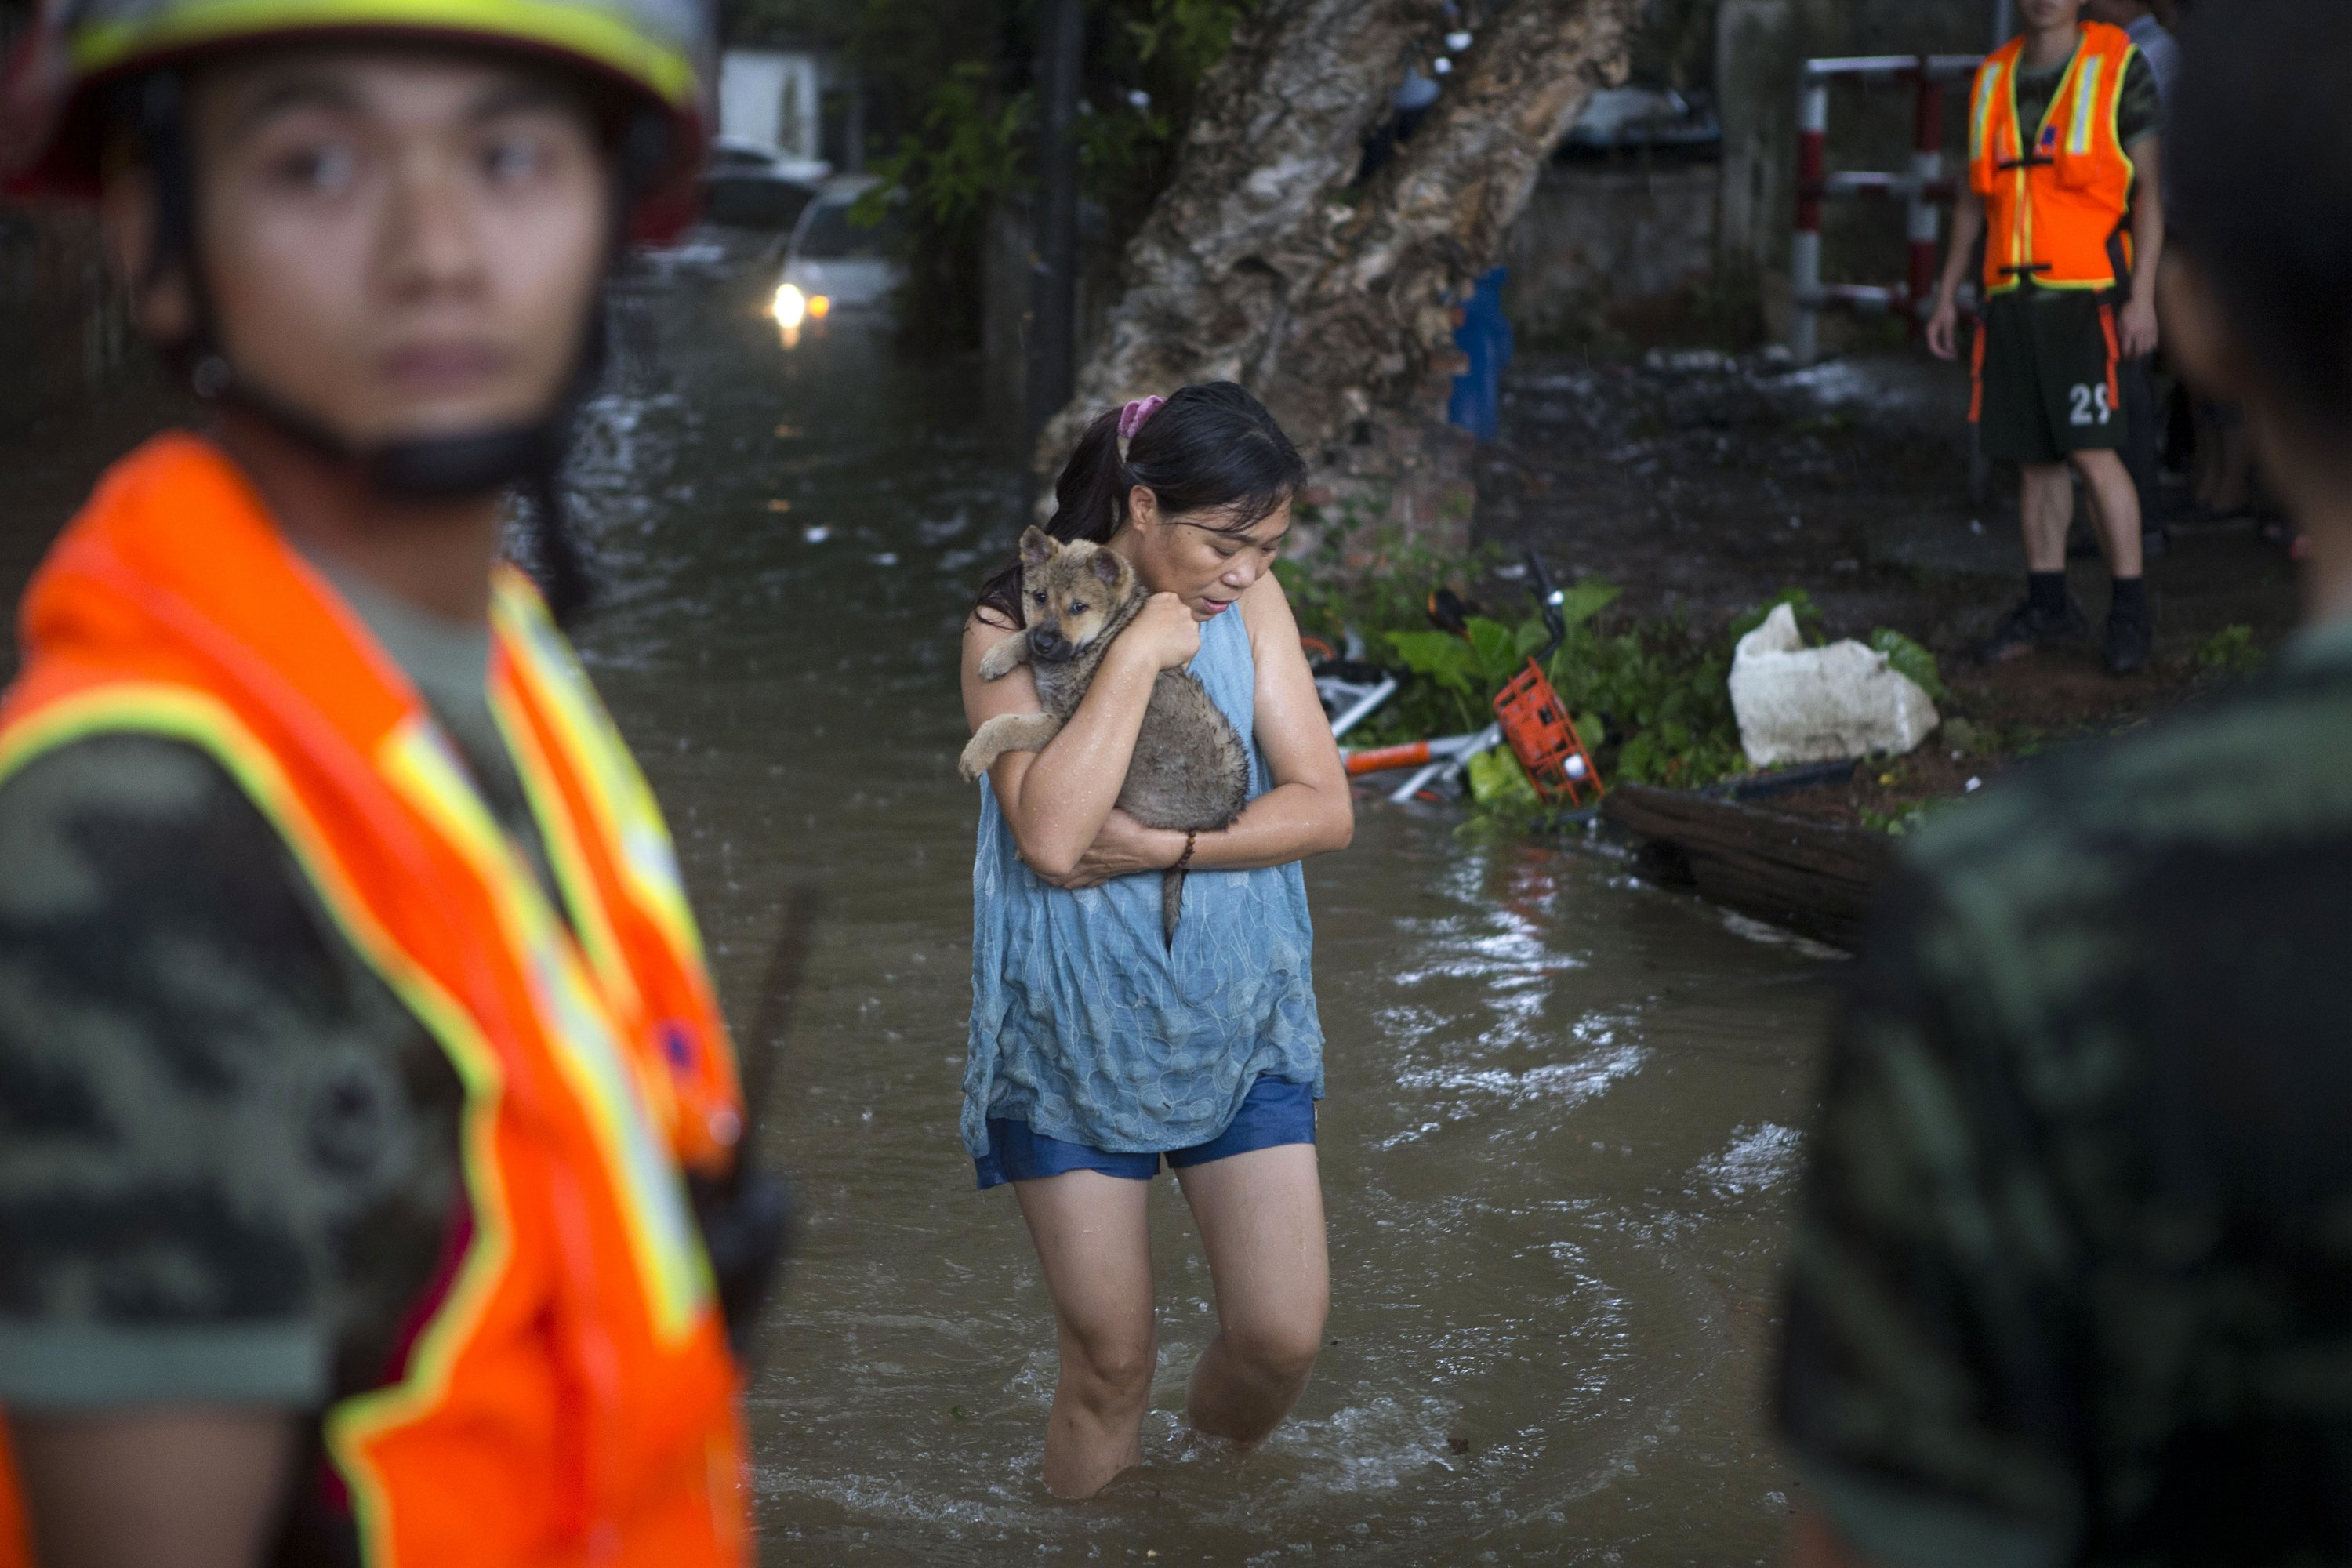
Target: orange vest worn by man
565, 1392
369, 1135
2055, 197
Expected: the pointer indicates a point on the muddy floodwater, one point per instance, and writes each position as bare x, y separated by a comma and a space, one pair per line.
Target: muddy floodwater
1560, 1134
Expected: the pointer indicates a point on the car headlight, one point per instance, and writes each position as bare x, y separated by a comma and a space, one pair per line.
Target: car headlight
791, 307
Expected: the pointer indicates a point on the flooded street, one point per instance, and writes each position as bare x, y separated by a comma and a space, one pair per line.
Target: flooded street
1559, 1141
1557, 1136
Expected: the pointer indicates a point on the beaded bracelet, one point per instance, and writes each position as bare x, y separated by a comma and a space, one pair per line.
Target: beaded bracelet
1186, 858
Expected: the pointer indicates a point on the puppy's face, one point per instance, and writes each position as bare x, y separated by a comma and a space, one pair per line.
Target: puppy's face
1069, 593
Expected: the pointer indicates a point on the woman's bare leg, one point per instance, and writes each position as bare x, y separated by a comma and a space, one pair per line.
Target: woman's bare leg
1090, 1233
1261, 1219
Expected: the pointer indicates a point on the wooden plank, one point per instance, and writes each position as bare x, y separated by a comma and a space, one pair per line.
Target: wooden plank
1817, 878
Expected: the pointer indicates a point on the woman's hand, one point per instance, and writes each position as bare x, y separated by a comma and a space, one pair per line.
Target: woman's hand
1163, 631
1122, 848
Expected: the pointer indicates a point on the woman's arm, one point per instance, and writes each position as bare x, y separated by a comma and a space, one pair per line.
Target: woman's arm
1308, 811
1056, 800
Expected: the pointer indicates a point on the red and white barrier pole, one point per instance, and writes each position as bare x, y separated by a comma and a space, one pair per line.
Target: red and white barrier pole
1805, 245
1926, 169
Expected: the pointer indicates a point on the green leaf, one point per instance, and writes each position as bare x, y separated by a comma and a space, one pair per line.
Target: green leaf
1496, 648
1908, 659
1808, 614
2230, 650
1531, 636
1497, 779
1440, 656
1586, 600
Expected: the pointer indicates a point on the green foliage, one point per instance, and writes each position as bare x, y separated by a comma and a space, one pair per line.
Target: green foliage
968, 155
1650, 699
950, 86
1800, 605
1903, 819
1186, 37
1661, 691
1908, 659
2230, 651
1496, 780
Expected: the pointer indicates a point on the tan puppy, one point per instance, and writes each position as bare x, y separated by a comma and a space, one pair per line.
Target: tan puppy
1189, 772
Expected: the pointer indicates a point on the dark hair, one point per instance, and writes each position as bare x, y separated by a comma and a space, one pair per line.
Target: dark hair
2258, 159
1211, 448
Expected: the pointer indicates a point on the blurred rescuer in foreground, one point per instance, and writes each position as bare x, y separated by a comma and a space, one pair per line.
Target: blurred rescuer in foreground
2073, 1280
361, 1085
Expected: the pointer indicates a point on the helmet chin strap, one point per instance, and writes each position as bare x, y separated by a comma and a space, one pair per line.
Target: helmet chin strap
528, 456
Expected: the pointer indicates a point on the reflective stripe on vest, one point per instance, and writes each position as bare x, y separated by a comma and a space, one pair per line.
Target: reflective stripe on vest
568, 1395
2055, 199
671, 1266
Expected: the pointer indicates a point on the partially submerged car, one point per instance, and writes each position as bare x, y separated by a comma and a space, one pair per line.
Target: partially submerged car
833, 262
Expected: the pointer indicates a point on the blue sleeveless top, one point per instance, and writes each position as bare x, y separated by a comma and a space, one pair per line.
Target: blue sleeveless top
1085, 1025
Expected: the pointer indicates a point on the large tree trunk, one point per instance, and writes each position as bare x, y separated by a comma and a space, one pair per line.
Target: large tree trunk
1260, 264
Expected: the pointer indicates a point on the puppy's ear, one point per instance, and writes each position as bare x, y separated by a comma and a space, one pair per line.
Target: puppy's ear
1037, 546
1110, 566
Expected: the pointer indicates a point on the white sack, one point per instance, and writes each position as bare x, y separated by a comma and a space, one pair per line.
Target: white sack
1799, 704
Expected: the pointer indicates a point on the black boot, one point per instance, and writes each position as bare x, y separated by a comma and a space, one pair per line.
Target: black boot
2047, 619
2131, 629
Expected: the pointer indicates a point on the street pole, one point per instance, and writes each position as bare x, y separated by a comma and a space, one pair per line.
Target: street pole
1054, 275
2004, 22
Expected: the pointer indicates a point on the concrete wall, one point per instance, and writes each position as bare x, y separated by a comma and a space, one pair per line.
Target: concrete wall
1603, 240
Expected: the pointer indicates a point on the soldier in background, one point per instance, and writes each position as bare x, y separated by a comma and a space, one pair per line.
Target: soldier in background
2073, 1275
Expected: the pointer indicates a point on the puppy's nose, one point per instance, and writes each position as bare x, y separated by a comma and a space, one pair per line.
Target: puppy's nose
1048, 642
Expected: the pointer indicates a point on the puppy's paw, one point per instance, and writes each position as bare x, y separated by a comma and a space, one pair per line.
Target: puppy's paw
980, 755
1000, 660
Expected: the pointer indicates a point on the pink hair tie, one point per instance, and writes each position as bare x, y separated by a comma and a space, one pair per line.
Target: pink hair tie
1132, 418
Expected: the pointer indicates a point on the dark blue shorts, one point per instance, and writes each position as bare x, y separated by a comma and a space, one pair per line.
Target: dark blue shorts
1276, 1111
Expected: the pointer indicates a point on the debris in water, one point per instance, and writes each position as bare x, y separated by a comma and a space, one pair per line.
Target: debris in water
816, 533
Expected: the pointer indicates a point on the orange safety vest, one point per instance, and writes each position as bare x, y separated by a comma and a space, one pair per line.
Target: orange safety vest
2053, 214
568, 1397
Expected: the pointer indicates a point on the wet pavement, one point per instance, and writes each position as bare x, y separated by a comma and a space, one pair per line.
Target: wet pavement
1559, 1139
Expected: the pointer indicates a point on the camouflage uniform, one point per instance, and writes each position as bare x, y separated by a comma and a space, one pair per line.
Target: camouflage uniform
229, 1161
2073, 1282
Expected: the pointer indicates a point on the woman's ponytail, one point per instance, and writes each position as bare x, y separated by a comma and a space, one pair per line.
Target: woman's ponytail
1089, 503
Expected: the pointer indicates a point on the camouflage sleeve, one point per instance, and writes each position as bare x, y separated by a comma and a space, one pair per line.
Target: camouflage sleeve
190, 1091
1928, 1359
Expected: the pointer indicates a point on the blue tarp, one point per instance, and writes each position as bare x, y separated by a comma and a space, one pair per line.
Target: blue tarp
1477, 404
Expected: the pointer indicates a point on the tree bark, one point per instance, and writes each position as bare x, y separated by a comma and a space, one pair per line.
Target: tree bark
1260, 263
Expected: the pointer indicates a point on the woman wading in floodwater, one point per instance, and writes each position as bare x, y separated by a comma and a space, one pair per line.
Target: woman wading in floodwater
1096, 1051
